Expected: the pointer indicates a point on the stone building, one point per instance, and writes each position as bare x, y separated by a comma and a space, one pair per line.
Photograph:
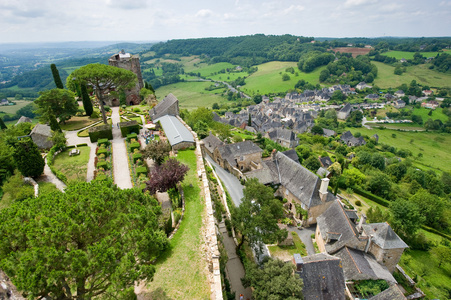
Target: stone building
178, 135
243, 156
128, 62
168, 106
41, 135
209, 144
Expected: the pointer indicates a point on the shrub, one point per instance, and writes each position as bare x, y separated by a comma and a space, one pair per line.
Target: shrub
134, 146
141, 170
136, 157
228, 225
358, 203
105, 152
94, 115
103, 164
131, 136
100, 132
106, 108
101, 142
136, 110
102, 177
177, 215
129, 127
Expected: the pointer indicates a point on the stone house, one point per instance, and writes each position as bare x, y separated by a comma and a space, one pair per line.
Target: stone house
349, 139
430, 104
209, 144
131, 63
322, 275
41, 135
400, 93
243, 156
284, 137
399, 104
344, 113
168, 106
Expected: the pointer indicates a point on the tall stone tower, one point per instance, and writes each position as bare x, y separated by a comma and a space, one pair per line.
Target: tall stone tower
129, 62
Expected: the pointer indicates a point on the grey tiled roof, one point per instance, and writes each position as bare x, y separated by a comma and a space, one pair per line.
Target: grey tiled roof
291, 154
392, 293
231, 151
175, 131
384, 236
323, 277
211, 142
263, 175
358, 265
160, 109
346, 109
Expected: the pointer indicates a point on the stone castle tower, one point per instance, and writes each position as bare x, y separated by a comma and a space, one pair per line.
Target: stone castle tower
128, 62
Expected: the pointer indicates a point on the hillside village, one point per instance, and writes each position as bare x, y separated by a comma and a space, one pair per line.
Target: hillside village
301, 178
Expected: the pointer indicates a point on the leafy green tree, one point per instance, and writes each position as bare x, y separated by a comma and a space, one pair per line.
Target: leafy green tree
379, 184
276, 280
215, 106
28, 159
58, 103
285, 77
87, 103
256, 217
157, 150
312, 163
56, 77
442, 255
406, 218
446, 180
317, 130
431, 207
102, 78
2, 124
102, 245
376, 215
353, 177
54, 123
58, 139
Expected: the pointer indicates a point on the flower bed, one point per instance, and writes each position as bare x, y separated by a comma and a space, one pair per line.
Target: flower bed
138, 167
103, 162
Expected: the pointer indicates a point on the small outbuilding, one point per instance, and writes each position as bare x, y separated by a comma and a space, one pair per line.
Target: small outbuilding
41, 135
178, 135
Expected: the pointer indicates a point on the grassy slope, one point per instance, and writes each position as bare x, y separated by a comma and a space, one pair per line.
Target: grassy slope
408, 55
74, 167
436, 114
434, 146
268, 80
191, 95
12, 109
386, 78
181, 272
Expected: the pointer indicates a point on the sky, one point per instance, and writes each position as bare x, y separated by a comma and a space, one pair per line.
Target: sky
159, 20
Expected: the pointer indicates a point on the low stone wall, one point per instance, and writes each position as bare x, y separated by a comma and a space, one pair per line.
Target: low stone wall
212, 253
30, 181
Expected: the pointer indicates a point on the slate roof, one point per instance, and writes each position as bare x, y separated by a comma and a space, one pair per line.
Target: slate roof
335, 221
322, 275
40, 136
23, 119
175, 131
325, 161
346, 109
231, 151
263, 175
282, 134
291, 154
302, 183
160, 109
392, 293
322, 172
328, 132
384, 236
211, 142
358, 265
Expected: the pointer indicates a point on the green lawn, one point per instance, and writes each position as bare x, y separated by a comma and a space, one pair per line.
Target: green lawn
421, 73
268, 78
191, 95
181, 270
434, 146
74, 167
286, 252
436, 114
408, 55
76, 123
46, 188
12, 109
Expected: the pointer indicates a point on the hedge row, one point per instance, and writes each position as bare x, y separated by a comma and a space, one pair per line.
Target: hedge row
371, 196
103, 142
103, 151
136, 157
50, 161
141, 170
100, 132
432, 230
132, 136
134, 146
129, 127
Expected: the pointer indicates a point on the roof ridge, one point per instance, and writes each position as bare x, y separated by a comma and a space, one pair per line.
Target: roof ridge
352, 258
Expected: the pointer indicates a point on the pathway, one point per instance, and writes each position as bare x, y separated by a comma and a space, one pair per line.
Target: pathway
74, 139
48, 176
234, 267
305, 236
120, 161
231, 183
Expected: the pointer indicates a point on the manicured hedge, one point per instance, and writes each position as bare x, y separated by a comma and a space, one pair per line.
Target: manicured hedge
136, 157
141, 170
103, 151
81, 145
103, 142
101, 177
371, 196
436, 232
100, 132
129, 127
134, 146
132, 136
103, 164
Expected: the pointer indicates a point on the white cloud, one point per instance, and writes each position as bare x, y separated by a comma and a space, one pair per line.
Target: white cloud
350, 3
203, 13
293, 8
391, 7
127, 4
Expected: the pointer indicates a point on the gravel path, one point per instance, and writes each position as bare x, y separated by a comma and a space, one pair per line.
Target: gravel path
120, 161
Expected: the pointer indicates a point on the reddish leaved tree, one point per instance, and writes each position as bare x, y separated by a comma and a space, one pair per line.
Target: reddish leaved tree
166, 176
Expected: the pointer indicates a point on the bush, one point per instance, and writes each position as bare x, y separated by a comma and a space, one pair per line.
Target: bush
136, 110
136, 157
177, 215
101, 142
131, 136
371, 196
103, 164
94, 115
104, 152
358, 203
141, 170
100, 132
102, 177
134, 145
106, 108
228, 225
129, 127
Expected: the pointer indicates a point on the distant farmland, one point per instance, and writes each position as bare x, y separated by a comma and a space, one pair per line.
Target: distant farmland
354, 51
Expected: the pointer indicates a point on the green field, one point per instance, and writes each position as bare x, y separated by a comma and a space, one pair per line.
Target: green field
74, 167
12, 109
408, 55
434, 146
191, 95
436, 114
269, 80
421, 73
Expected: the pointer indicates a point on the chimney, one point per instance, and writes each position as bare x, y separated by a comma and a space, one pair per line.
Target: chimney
361, 222
368, 244
298, 262
323, 189
273, 154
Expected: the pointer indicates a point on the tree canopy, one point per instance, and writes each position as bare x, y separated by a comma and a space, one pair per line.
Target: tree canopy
166, 176
256, 217
103, 79
56, 77
58, 103
28, 158
92, 240
157, 150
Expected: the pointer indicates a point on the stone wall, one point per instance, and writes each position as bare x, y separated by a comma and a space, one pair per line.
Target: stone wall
388, 258
212, 253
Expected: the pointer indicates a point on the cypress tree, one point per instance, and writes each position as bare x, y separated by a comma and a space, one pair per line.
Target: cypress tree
87, 104
54, 124
249, 121
2, 124
56, 77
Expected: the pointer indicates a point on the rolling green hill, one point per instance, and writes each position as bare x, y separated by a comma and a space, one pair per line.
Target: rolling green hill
408, 55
